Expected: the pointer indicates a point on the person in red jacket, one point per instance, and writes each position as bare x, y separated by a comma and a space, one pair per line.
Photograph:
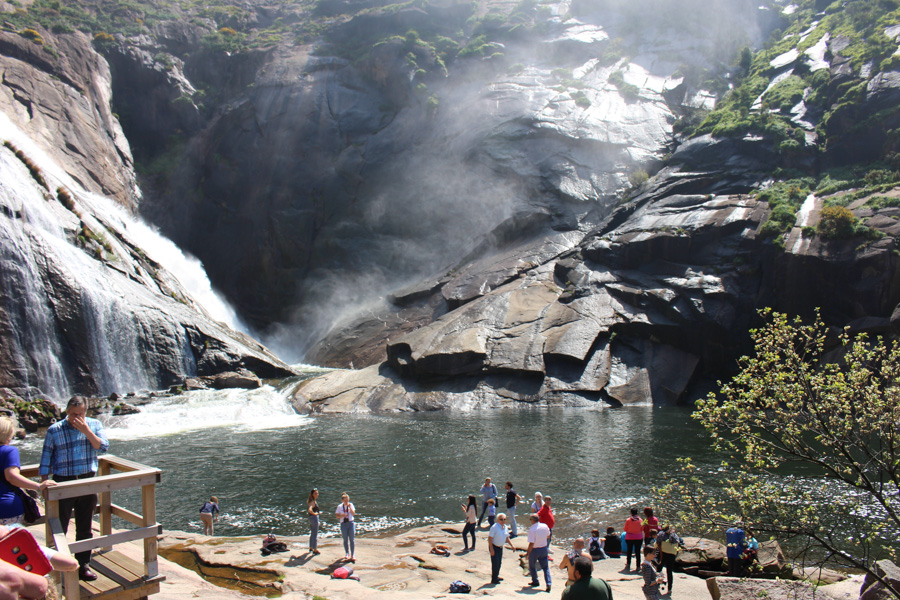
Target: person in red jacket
545, 515
634, 537
650, 526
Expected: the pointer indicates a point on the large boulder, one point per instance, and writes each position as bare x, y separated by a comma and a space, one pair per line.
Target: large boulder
733, 588
873, 589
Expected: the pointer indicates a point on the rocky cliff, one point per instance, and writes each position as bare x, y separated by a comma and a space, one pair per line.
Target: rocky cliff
557, 202
85, 308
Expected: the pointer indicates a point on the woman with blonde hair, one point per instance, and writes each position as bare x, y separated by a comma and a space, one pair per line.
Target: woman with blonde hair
11, 508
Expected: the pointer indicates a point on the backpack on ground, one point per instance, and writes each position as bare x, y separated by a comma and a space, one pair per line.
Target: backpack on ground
460, 587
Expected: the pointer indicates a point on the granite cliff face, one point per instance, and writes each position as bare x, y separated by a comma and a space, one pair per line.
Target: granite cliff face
85, 308
457, 198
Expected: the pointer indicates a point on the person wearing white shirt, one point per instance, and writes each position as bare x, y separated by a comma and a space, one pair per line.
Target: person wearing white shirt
345, 514
497, 536
538, 541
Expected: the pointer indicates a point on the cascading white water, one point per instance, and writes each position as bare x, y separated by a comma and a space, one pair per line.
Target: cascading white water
34, 330
250, 410
109, 322
187, 269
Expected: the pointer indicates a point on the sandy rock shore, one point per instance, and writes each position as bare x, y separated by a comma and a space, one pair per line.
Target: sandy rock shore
398, 566
402, 566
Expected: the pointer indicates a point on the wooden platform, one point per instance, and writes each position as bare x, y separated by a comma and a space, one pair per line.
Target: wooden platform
119, 576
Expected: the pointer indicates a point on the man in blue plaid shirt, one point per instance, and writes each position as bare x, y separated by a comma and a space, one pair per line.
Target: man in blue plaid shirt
71, 447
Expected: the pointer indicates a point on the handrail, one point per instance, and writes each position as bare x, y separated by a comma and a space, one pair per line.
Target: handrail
131, 475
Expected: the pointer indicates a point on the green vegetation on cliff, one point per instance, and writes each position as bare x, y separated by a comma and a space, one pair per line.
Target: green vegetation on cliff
824, 58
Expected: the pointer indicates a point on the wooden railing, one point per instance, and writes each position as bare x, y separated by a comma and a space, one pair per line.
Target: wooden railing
130, 475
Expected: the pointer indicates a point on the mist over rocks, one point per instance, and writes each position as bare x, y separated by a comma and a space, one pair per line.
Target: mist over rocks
652, 305
487, 203
324, 175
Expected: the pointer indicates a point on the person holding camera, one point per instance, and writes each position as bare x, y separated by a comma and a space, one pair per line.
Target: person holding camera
345, 514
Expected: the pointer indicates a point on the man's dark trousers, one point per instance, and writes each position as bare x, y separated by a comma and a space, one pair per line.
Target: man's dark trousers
83, 507
496, 559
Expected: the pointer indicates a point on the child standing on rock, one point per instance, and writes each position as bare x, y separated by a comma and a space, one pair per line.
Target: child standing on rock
652, 579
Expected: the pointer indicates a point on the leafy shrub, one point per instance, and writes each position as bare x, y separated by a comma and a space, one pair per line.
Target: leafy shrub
786, 93
65, 198
581, 99
35, 171
836, 222
637, 178
784, 198
33, 35
431, 105
881, 176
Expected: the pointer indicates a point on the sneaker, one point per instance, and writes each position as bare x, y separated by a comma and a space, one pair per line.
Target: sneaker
548, 589
85, 574
533, 584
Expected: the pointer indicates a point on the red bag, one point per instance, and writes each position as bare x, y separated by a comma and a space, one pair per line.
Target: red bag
342, 573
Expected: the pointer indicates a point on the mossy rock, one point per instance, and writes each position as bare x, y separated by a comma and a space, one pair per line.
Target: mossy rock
32, 414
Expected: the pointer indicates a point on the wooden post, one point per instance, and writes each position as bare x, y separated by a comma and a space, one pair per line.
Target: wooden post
148, 500
52, 509
105, 503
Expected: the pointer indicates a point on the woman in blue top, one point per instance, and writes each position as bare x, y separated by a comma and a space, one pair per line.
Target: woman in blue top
11, 509
209, 512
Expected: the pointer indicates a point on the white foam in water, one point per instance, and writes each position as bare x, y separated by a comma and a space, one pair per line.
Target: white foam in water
246, 410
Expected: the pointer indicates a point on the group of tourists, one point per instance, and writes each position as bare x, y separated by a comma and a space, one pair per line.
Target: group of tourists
660, 545
653, 547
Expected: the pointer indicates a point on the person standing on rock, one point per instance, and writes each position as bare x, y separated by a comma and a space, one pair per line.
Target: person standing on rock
735, 545
471, 519
634, 537
538, 547
312, 511
209, 512
345, 514
546, 514
488, 491
585, 586
669, 544
498, 535
652, 579
71, 448
538, 503
512, 498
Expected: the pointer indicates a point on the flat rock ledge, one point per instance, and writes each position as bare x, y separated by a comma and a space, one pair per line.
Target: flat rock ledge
402, 566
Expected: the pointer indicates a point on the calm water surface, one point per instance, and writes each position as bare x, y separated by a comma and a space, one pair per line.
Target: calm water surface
401, 470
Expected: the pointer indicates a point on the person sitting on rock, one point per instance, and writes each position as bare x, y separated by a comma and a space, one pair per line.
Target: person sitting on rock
595, 545
568, 561
612, 543
271, 544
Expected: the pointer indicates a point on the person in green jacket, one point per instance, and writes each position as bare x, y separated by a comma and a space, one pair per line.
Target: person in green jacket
585, 586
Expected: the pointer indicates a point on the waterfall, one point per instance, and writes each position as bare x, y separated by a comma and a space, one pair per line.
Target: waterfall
187, 269
36, 347
79, 322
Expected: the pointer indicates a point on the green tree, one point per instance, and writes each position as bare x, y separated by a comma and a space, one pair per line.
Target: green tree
825, 407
